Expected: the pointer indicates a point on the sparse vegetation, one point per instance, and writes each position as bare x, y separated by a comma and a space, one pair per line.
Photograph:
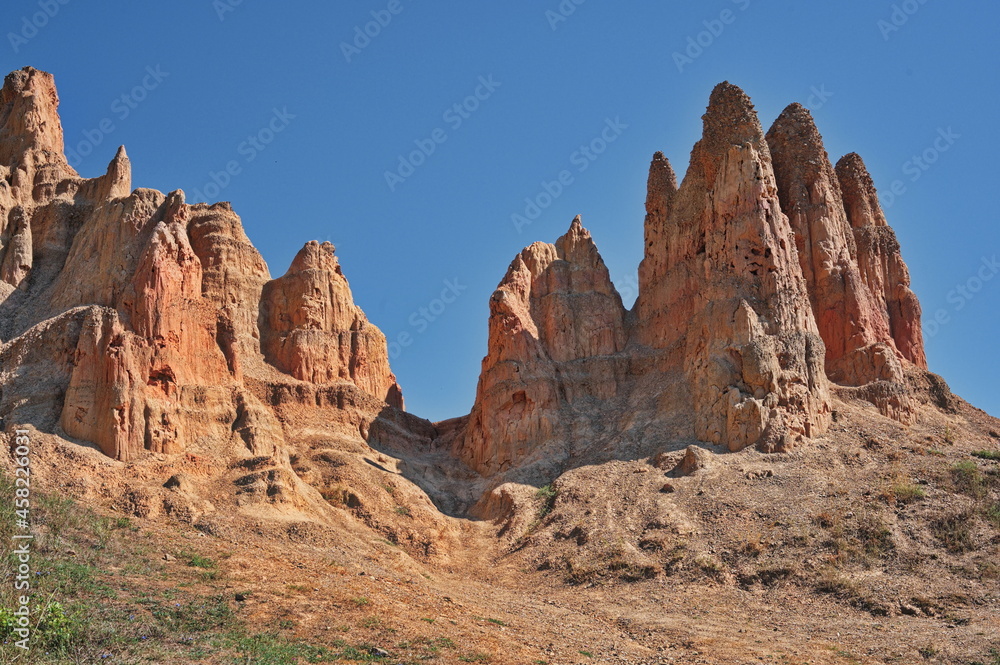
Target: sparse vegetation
547, 494
968, 479
954, 530
992, 455
908, 493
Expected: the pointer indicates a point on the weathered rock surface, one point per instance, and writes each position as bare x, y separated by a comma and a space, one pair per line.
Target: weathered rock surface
852, 321
313, 330
139, 314
765, 277
726, 281
141, 324
880, 260
556, 322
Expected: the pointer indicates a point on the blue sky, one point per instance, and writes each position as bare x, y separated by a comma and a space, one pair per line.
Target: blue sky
308, 128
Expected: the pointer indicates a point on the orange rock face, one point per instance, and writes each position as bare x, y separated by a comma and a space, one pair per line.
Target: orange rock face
555, 323
315, 332
880, 260
722, 291
139, 313
764, 278
134, 321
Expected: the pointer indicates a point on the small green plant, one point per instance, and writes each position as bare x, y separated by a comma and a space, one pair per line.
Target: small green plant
587, 654
968, 479
197, 560
992, 514
475, 658
908, 492
949, 436
361, 601
403, 510
55, 630
993, 455
547, 494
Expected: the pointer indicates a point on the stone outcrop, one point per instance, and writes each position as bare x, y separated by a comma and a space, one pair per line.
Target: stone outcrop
556, 321
880, 260
768, 278
141, 324
313, 330
141, 315
853, 321
723, 274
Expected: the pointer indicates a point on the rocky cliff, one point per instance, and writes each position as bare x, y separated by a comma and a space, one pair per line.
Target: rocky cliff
137, 322
770, 280
771, 286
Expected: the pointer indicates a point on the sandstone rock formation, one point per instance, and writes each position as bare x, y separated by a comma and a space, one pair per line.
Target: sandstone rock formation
141, 314
853, 320
768, 277
728, 281
313, 330
555, 321
880, 260
142, 324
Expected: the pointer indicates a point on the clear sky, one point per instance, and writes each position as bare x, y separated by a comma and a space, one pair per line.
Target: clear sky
309, 114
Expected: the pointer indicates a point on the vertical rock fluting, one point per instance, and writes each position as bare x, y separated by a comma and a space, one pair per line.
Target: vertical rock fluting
312, 329
879, 259
147, 308
555, 321
853, 321
661, 188
734, 303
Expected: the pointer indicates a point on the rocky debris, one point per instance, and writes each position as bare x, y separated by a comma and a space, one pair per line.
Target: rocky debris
695, 459
313, 330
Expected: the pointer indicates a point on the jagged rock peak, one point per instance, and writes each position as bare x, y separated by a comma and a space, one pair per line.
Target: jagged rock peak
730, 120
312, 329
660, 186
120, 175
556, 323
29, 116
860, 196
851, 320
316, 256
